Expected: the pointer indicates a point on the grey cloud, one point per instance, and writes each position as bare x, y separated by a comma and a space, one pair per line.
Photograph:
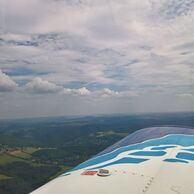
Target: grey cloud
105, 27
171, 9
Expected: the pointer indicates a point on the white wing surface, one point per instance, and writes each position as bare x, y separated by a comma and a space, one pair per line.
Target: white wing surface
158, 160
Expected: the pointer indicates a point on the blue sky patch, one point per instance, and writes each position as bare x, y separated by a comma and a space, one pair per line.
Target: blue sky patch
22, 71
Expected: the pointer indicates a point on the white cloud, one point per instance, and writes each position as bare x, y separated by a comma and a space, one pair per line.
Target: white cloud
40, 86
6, 83
77, 92
186, 95
106, 92
83, 91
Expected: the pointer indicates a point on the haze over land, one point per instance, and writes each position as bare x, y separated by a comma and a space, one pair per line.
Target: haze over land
75, 57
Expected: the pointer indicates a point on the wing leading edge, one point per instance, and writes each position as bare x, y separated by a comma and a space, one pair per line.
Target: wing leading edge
152, 160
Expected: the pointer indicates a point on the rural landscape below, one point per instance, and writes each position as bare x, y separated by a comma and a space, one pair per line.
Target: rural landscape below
34, 151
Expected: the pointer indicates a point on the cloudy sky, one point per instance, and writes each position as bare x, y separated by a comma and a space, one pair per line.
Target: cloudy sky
80, 57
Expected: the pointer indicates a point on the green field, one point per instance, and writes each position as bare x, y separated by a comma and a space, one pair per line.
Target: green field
5, 159
25, 153
20, 173
18, 155
4, 177
31, 150
110, 133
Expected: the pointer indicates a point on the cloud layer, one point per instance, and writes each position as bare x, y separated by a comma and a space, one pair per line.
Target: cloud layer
137, 53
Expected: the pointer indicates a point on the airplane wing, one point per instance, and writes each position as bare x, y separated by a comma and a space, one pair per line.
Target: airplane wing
157, 160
